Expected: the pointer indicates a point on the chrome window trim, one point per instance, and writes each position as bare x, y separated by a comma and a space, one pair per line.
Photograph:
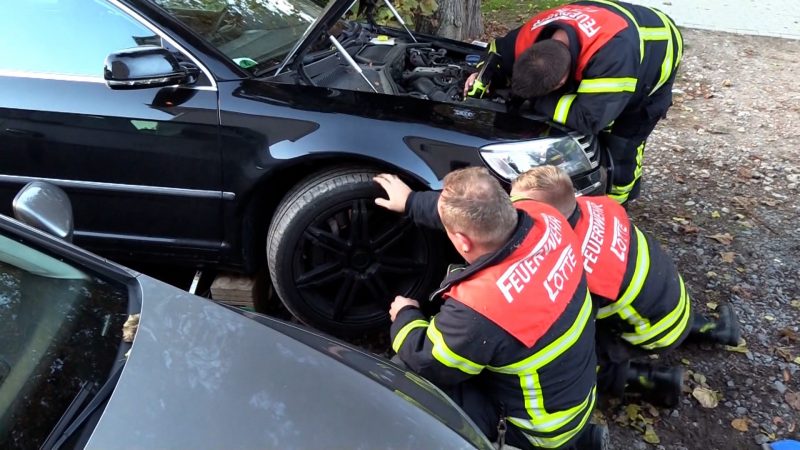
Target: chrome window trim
50, 76
82, 79
98, 79
117, 187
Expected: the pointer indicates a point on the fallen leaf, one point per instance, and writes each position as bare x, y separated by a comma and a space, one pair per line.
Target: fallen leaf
650, 435
741, 291
712, 305
784, 353
796, 360
793, 400
787, 377
740, 425
741, 348
769, 318
686, 362
689, 229
711, 274
796, 303
706, 397
727, 257
722, 238
699, 378
789, 335
715, 214
632, 411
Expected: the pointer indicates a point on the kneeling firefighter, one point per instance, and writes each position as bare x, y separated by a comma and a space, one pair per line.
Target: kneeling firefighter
643, 304
513, 343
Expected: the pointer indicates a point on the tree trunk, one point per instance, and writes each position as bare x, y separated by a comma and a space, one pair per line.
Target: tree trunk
455, 19
474, 20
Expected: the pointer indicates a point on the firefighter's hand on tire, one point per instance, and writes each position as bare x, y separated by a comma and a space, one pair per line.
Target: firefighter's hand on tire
396, 190
399, 303
468, 84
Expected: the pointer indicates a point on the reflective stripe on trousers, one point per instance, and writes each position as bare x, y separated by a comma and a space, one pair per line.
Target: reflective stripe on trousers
666, 331
543, 428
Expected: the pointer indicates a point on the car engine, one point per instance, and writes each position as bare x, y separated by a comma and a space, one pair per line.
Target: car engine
393, 65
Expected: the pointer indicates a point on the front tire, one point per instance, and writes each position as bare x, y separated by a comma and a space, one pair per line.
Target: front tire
337, 260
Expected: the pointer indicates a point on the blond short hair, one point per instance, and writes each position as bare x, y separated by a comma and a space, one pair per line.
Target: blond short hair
474, 203
548, 184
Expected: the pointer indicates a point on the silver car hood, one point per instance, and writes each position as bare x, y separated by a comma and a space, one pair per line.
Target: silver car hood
201, 376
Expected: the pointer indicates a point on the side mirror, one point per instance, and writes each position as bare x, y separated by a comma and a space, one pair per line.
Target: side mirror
146, 67
45, 207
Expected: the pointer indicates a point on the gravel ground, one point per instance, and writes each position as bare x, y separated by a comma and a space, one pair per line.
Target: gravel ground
722, 175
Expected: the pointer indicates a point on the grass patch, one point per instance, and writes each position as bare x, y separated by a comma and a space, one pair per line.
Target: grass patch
514, 12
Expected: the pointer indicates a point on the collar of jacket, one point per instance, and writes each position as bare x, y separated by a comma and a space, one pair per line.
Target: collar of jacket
574, 217
524, 225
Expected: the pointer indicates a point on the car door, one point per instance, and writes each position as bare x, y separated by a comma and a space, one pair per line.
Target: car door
142, 166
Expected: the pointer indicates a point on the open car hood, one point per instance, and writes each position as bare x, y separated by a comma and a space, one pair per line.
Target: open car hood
330, 15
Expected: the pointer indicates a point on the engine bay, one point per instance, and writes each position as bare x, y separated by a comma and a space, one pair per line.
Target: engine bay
394, 65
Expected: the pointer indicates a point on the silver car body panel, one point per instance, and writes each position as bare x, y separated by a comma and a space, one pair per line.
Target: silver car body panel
202, 376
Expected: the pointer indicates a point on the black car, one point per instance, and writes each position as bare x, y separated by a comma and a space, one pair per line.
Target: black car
75, 372
233, 132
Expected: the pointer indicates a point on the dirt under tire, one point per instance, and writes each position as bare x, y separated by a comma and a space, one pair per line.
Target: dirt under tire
337, 260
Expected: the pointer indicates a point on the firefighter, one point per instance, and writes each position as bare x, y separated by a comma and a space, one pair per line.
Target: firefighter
643, 304
592, 66
513, 343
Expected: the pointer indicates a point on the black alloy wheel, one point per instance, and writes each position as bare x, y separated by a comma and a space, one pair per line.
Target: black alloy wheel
337, 260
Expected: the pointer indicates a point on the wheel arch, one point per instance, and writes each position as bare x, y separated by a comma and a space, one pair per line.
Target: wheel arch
257, 206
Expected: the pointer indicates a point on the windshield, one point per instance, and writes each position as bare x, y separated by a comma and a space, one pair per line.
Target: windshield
250, 32
60, 327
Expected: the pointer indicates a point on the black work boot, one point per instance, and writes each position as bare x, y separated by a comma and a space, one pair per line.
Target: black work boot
660, 385
724, 330
594, 437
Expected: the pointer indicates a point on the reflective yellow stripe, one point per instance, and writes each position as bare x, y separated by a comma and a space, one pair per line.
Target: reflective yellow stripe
655, 33
444, 355
630, 16
403, 333
561, 439
554, 349
540, 420
640, 273
667, 65
677, 319
562, 109
620, 193
493, 46
679, 37
605, 85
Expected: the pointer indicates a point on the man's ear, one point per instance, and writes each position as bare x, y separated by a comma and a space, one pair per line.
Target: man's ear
464, 242
563, 81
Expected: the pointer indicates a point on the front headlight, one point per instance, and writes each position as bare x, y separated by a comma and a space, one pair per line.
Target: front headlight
510, 159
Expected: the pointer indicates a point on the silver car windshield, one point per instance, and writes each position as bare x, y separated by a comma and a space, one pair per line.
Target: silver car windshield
250, 32
60, 332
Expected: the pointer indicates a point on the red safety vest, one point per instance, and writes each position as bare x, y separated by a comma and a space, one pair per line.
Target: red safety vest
528, 291
605, 231
593, 25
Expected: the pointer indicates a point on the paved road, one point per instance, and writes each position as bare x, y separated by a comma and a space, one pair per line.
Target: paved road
780, 18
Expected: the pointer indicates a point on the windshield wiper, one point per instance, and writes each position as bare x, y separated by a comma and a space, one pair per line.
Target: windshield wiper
76, 415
